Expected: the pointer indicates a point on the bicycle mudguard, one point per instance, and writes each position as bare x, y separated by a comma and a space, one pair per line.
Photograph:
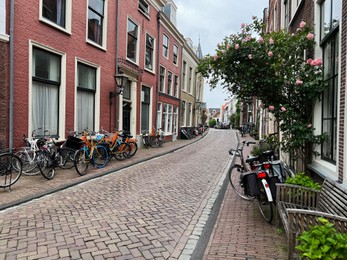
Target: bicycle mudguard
267, 190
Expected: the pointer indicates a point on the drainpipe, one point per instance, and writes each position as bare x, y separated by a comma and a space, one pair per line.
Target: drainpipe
116, 117
11, 74
158, 72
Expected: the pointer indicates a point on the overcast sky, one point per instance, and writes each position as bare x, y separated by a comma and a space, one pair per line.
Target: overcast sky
211, 21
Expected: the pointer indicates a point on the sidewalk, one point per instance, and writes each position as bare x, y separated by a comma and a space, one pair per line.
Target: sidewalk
28, 188
240, 231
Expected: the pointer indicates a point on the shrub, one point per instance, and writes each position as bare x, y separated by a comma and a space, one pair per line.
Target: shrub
303, 180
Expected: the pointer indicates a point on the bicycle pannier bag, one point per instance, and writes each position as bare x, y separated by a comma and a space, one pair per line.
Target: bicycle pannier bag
249, 180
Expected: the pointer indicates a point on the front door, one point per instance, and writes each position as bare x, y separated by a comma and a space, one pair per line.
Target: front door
126, 116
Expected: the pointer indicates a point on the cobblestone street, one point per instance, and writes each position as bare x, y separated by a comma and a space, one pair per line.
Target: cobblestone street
148, 211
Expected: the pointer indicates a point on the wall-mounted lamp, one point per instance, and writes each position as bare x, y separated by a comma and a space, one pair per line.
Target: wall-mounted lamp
121, 82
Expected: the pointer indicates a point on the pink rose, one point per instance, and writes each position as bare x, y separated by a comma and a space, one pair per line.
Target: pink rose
215, 57
243, 25
298, 82
270, 54
283, 109
302, 24
309, 61
237, 46
310, 36
271, 108
317, 62
261, 40
271, 41
228, 46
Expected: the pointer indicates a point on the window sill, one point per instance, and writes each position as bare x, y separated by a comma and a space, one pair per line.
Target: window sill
4, 38
324, 169
56, 26
96, 45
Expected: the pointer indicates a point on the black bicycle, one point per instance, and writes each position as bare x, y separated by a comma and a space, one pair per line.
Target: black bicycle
10, 168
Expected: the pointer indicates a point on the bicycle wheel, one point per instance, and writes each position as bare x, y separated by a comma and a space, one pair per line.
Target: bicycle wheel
10, 169
121, 151
235, 181
47, 165
81, 161
265, 206
100, 156
133, 149
29, 162
67, 160
154, 141
145, 141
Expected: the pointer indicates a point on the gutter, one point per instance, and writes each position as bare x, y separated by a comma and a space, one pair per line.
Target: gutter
11, 74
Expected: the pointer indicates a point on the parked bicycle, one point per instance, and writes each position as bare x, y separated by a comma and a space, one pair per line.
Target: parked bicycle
10, 168
92, 152
127, 138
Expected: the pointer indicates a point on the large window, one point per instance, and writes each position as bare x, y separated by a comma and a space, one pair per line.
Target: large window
184, 71
159, 116
162, 79
149, 52
183, 113
167, 118
176, 86
175, 54
55, 11
144, 7
165, 46
169, 83
132, 41
96, 21
330, 44
145, 108
86, 88
46, 78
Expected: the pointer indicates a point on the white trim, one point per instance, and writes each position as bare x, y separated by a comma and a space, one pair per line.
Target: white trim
68, 17
104, 28
97, 92
62, 87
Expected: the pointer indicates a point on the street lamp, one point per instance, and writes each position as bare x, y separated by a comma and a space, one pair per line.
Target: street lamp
121, 82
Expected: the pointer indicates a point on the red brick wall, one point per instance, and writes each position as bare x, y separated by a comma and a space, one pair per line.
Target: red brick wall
28, 27
4, 98
342, 92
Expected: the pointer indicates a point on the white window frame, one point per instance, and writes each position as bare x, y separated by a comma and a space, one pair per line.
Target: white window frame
166, 47
97, 92
3, 35
62, 88
137, 42
68, 17
153, 53
144, 7
103, 46
159, 115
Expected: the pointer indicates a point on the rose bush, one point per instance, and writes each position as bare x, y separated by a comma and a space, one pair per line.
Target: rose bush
278, 69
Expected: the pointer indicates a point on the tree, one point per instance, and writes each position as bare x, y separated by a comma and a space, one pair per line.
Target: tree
275, 68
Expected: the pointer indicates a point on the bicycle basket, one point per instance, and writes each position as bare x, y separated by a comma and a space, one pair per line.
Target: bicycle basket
74, 142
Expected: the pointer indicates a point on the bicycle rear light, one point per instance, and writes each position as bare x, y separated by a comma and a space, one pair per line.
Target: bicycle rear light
267, 165
261, 175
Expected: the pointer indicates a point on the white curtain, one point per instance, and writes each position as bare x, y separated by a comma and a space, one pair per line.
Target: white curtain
85, 111
45, 111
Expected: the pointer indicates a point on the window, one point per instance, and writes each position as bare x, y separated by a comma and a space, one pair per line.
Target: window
167, 118
145, 108
330, 45
189, 114
2, 18
169, 83
149, 52
46, 78
127, 90
184, 71
159, 116
190, 80
54, 11
144, 7
165, 46
96, 21
176, 86
330, 16
183, 113
175, 54
132, 41
175, 121
86, 88
162, 79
